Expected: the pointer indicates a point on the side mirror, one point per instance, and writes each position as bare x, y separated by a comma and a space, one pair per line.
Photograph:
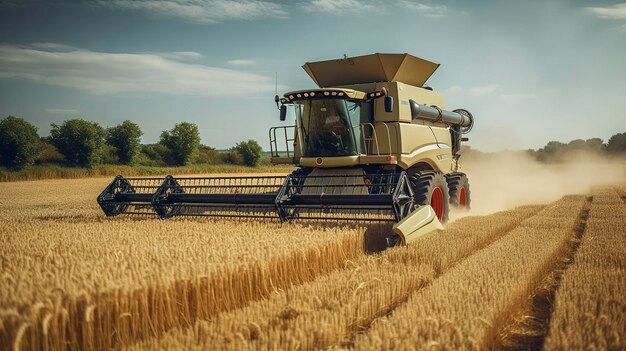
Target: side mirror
283, 112
388, 103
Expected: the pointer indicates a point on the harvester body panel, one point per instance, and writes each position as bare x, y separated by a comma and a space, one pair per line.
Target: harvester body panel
401, 94
424, 145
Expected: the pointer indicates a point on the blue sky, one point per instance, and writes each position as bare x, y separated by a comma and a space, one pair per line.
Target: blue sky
530, 71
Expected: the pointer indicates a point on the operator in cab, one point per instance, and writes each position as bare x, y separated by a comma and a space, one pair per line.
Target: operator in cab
333, 134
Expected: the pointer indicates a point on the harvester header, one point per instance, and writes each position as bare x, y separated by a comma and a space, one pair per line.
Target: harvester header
370, 143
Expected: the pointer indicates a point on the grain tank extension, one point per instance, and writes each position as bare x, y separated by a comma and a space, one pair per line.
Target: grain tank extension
371, 143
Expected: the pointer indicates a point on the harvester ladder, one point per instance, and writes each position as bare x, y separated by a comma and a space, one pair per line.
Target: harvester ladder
274, 141
373, 139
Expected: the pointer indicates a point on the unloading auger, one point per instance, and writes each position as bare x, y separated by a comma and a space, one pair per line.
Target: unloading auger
368, 147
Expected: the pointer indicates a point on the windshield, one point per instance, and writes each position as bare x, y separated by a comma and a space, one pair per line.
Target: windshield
330, 127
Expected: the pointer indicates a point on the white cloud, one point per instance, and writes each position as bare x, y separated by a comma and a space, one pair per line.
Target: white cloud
202, 11
113, 73
241, 62
52, 46
617, 11
337, 7
181, 55
425, 10
483, 90
63, 111
454, 89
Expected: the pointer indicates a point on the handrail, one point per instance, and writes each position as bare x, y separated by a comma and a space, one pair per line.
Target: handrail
374, 137
296, 129
274, 152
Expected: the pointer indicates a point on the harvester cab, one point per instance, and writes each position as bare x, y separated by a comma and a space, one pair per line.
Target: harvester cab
370, 143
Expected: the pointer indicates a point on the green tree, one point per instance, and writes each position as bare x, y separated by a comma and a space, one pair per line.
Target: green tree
553, 152
251, 152
48, 153
595, 145
183, 140
155, 155
575, 145
19, 142
126, 138
554, 148
79, 141
208, 155
617, 144
233, 157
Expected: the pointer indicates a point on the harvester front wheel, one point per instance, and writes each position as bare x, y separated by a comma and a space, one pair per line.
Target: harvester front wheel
431, 188
459, 189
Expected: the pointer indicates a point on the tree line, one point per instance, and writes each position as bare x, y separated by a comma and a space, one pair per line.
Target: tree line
558, 152
555, 151
77, 142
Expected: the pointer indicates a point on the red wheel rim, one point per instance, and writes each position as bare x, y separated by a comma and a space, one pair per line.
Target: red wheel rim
462, 198
436, 202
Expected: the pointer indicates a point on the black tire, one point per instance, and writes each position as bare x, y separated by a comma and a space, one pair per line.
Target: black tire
459, 189
426, 183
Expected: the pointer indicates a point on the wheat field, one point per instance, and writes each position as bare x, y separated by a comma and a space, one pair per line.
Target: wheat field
73, 279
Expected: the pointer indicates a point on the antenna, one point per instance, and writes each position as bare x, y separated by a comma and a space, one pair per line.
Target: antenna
276, 97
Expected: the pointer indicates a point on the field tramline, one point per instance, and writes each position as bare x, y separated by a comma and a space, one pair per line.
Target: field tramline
462, 308
591, 295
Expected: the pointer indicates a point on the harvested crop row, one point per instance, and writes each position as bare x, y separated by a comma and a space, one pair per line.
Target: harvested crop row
463, 237
332, 309
461, 309
591, 295
621, 190
83, 282
528, 324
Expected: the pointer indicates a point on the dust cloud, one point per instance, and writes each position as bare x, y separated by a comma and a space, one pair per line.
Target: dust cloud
504, 180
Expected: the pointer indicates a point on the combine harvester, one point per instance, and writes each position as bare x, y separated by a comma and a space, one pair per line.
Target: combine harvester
372, 143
